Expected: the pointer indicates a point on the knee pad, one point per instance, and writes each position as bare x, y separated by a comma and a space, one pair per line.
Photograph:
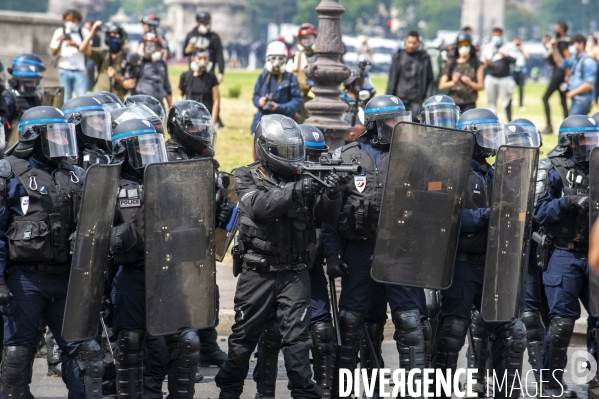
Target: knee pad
17, 363
450, 341
478, 326
513, 335
323, 338
130, 342
535, 328
90, 358
185, 358
350, 324
408, 328
186, 346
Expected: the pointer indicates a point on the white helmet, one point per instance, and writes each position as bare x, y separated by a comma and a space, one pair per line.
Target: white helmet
276, 56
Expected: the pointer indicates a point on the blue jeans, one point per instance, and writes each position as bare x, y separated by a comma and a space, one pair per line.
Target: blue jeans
73, 82
580, 106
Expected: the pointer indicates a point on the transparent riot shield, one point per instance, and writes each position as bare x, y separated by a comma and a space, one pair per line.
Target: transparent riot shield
593, 215
53, 96
422, 206
224, 233
510, 224
90, 256
179, 241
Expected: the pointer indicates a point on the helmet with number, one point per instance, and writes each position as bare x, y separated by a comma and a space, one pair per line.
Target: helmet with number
136, 111
45, 132
314, 142
279, 144
148, 101
485, 126
276, 56
581, 134
383, 113
191, 124
440, 110
536, 140
92, 121
137, 144
27, 75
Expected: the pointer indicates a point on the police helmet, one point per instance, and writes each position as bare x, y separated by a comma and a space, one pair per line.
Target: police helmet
383, 113
115, 36
46, 131
27, 74
279, 144
485, 126
440, 110
580, 133
106, 100
314, 142
204, 17
136, 142
536, 139
92, 121
190, 123
148, 101
514, 134
136, 111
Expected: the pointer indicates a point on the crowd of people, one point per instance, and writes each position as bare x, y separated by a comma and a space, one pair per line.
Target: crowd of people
296, 227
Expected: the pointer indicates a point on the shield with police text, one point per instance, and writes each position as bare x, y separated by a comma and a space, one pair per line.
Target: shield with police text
179, 242
225, 232
422, 205
508, 240
90, 254
593, 215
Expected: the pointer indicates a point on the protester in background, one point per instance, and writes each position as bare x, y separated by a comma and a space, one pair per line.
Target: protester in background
558, 74
71, 62
411, 74
201, 85
303, 57
153, 77
592, 49
583, 74
150, 24
276, 91
519, 73
463, 74
365, 52
499, 57
202, 38
90, 66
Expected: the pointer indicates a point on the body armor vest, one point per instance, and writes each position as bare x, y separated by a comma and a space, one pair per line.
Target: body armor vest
41, 235
360, 215
93, 155
175, 151
287, 243
127, 239
571, 232
477, 196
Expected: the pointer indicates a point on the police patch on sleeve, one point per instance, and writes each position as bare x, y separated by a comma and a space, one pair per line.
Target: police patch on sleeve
24, 204
360, 182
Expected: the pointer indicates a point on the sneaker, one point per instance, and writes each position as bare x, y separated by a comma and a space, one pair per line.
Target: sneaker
199, 376
54, 371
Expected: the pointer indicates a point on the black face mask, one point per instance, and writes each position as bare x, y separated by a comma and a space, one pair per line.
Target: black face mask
557, 34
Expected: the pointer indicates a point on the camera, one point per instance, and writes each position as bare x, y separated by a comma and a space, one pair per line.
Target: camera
267, 108
132, 65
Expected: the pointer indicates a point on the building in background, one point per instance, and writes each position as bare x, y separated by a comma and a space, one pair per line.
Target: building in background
482, 16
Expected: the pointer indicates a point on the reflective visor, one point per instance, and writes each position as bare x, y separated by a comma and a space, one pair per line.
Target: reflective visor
146, 149
59, 140
583, 143
198, 129
533, 134
441, 115
291, 150
97, 124
488, 132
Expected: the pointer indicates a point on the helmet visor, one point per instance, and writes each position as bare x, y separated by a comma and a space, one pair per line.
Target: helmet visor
291, 149
30, 86
59, 140
97, 124
583, 143
198, 129
145, 149
533, 135
528, 138
138, 111
488, 134
441, 115
110, 106
385, 126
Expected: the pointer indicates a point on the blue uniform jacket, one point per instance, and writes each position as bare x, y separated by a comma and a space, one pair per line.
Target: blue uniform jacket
475, 219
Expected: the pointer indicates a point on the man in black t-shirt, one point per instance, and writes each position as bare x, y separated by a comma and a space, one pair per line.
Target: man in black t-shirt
201, 85
558, 74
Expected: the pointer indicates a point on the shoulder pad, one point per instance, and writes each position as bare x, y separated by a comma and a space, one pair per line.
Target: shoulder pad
544, 163
5, 169
557, 151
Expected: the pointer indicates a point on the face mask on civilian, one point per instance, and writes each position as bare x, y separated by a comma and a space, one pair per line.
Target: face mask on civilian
203, 29
573, 50
464, 50
497, 40
70, 26
156, 55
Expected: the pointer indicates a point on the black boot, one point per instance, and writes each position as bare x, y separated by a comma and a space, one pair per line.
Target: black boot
478, 352
513, 337
210, 352
449, 343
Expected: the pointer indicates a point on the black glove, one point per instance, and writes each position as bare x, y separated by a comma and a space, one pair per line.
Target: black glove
307, 187
335, 184
579, 202
224, 214
72, 242
336, 267
5, 294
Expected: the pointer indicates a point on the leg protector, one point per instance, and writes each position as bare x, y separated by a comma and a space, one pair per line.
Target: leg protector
129, 364
427, 330
90, 359
17, 363
409, 338
478, 352
323, 347
450, 341
350, 324
268, 359
513, 335
560, 332
184, 349
535, 340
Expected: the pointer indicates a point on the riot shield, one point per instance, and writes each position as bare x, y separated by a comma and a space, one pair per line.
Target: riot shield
179, 241
510, 223
224, 234
90, 256
593, 215
53, 96
422, 206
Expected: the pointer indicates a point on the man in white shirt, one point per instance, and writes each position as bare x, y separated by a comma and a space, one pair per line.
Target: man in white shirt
71, 63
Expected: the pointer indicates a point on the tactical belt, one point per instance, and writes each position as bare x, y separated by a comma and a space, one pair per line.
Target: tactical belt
268, 263
471, 258
42, 269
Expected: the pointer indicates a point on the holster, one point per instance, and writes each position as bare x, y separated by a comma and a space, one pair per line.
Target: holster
544, 252
237, 253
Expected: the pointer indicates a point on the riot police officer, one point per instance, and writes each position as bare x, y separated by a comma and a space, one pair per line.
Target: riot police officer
136, 111
277, 241
349, 243
93, 127
440, 110
149, 101
562, 212
108, 100
41, 196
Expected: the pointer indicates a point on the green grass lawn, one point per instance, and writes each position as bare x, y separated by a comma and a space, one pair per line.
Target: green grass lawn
234, 142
